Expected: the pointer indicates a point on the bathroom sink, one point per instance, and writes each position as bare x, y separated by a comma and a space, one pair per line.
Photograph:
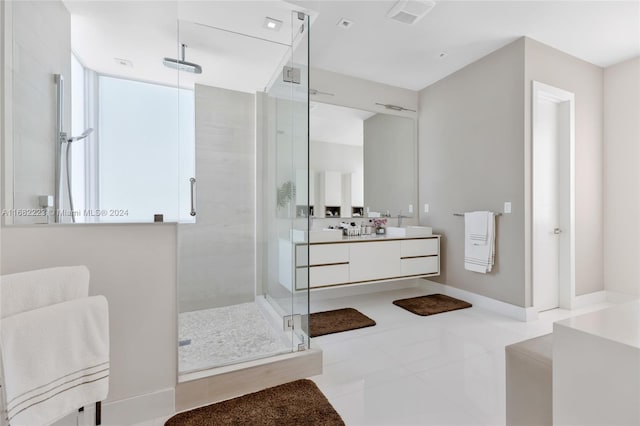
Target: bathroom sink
409, 231
320, 236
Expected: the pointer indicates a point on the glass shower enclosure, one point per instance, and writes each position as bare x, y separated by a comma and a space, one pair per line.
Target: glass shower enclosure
246, 182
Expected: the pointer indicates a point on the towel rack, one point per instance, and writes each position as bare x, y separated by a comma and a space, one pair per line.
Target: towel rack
462, 214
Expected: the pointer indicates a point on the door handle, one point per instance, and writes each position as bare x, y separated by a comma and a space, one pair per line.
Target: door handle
557, 231
193, 196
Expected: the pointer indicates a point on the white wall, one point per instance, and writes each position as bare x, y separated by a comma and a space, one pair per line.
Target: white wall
553, 67
471, 152
622, 177
475, 153
134, 267
217, 253
38, 42
360, 94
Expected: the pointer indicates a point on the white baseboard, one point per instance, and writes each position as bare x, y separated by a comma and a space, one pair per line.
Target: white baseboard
140, 408
615, 297
589, 299
512, 311
602, 296
126, 411
362, 288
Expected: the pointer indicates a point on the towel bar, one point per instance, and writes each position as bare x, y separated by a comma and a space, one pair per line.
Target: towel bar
462, 214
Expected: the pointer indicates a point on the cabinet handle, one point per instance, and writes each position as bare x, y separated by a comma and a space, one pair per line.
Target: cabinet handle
557, 231
193, 196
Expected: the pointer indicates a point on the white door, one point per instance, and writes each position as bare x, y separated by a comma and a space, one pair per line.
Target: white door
551, 196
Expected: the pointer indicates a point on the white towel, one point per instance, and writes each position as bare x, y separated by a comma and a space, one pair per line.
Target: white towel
479, 253
477, 225
25, 291
55, 359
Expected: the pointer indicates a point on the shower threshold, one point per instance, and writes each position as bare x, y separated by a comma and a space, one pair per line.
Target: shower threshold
217, 384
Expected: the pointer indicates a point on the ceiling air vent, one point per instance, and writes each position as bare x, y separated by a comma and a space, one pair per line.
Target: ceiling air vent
410, 11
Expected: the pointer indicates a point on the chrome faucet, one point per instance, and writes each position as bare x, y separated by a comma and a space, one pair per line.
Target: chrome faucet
400, 217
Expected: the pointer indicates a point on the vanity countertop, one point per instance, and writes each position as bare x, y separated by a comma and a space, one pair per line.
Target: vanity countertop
366, 238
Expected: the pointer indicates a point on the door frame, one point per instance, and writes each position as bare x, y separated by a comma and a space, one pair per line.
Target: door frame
567, 269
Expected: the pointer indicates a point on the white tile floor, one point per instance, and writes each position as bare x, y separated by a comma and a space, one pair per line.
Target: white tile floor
446, 369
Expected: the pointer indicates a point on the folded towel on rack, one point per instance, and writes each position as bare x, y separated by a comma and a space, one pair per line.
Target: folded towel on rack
25, 291
55, 360
478, 226
479, 253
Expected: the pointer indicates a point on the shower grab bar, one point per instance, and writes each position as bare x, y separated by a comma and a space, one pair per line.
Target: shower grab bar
193, 196
60, 138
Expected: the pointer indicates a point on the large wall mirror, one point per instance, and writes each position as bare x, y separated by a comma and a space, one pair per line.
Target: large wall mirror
362, 163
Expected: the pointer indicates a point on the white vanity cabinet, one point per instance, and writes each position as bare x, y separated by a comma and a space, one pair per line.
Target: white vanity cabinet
329, 265
366, 260
374, 260
420, 256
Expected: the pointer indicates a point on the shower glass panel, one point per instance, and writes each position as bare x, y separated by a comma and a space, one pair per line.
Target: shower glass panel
227, 252
286, 172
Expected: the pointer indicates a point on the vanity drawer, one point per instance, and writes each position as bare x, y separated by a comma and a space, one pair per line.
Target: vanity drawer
419, 247
322, 254
374, 260
328, 275
322, 276
420, 265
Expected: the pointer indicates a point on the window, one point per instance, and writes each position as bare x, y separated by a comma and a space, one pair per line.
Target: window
145, 150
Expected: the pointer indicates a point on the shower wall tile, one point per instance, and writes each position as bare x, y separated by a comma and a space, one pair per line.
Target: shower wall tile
41, 47
217, 253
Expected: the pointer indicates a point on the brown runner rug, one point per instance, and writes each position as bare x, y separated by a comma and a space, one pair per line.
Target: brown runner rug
431, 304
338, 320
292, 404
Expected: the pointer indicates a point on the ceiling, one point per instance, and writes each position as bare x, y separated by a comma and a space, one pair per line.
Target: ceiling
233, 47
379, 49
237, 52
337, 124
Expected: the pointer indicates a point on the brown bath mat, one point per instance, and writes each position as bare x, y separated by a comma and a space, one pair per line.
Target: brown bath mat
431, 304
338, 320
296, 403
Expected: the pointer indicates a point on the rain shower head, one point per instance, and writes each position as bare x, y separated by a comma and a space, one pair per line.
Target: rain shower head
181, 64
82, 136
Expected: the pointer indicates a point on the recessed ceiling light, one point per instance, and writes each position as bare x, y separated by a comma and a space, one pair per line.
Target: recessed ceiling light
345, 23
124, 62
272, 24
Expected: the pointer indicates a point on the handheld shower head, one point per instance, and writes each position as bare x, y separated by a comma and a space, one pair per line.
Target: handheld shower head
82, 136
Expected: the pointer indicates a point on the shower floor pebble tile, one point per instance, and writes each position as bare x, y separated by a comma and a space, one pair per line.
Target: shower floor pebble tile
226, 335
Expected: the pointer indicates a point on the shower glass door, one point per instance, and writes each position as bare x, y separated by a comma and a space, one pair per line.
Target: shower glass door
244, 177
285, 187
